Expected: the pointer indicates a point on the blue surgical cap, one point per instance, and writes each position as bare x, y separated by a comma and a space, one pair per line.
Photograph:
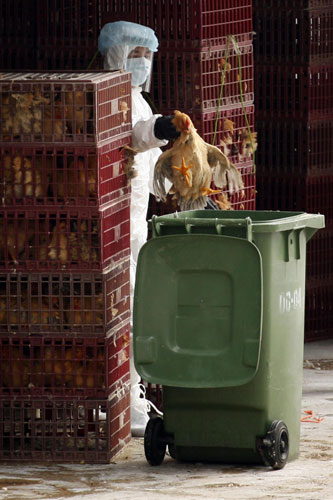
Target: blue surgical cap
126, 33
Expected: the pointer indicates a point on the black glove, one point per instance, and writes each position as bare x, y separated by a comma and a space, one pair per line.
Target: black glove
165, 129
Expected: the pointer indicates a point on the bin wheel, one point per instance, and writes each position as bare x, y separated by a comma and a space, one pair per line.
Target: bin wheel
274, 447
155, 445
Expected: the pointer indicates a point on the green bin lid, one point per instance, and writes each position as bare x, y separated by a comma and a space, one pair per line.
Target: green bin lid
198, 311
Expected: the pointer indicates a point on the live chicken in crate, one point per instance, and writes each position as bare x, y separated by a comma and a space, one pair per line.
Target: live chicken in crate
69, 107
61, 175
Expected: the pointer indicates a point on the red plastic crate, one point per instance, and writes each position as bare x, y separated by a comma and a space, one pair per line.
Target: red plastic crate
43, 430
63, 175
312, 194
293, 4
180, 23
83, 368
299, 147
295, 92
17, 35
68, 57
191, 81
319, 264
64, 304
293, 35
231, 143
318, 310
65, 240
319, 196
18, 22
17, 57
160, 207
60, 22
65, 107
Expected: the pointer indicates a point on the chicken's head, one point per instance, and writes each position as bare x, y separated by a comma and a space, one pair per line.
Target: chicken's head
183, 123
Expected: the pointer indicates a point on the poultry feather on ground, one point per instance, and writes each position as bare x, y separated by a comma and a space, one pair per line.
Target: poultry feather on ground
191, 164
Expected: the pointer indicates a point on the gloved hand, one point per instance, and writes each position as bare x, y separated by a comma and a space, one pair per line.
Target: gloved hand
165, 129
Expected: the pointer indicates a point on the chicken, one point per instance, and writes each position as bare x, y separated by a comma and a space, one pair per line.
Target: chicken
6, 116
14, 315
228, 126
86, 312
79, 181
52, 370
91, 373
22, 179
40, 313
23, 116
75, 112
37, 113
190, 165
68, 244
54, 128
15, 370
89, 241
14, 237
223, 202
30, 113
248, 143
74, 357
58, 245
129, 169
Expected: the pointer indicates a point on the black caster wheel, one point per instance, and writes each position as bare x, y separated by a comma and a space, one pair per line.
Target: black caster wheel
154, 441
274, 447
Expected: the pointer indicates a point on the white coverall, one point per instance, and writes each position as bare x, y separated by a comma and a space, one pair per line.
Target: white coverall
116, 41
143, 139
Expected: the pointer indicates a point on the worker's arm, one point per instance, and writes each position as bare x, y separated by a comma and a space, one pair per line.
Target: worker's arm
153, 133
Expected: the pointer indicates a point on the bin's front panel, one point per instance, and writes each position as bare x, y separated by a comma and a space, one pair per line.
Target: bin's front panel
197, 311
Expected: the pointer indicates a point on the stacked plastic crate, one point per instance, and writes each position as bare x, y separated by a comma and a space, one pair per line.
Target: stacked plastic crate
17, 34
203, 67
294, 109
64, 266
66, 34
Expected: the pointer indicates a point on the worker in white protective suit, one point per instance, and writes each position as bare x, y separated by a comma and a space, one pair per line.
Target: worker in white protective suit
130, 46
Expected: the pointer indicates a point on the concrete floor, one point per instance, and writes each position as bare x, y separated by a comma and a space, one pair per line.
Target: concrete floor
130, 477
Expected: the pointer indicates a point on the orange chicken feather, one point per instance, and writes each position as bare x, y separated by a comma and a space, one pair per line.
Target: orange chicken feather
191, 165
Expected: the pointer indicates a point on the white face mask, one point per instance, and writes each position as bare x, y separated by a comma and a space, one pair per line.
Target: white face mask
140, 68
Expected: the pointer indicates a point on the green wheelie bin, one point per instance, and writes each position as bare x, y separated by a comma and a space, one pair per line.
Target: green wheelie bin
219, 323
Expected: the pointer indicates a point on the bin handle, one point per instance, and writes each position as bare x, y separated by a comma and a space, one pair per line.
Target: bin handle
247, 223
189, 222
